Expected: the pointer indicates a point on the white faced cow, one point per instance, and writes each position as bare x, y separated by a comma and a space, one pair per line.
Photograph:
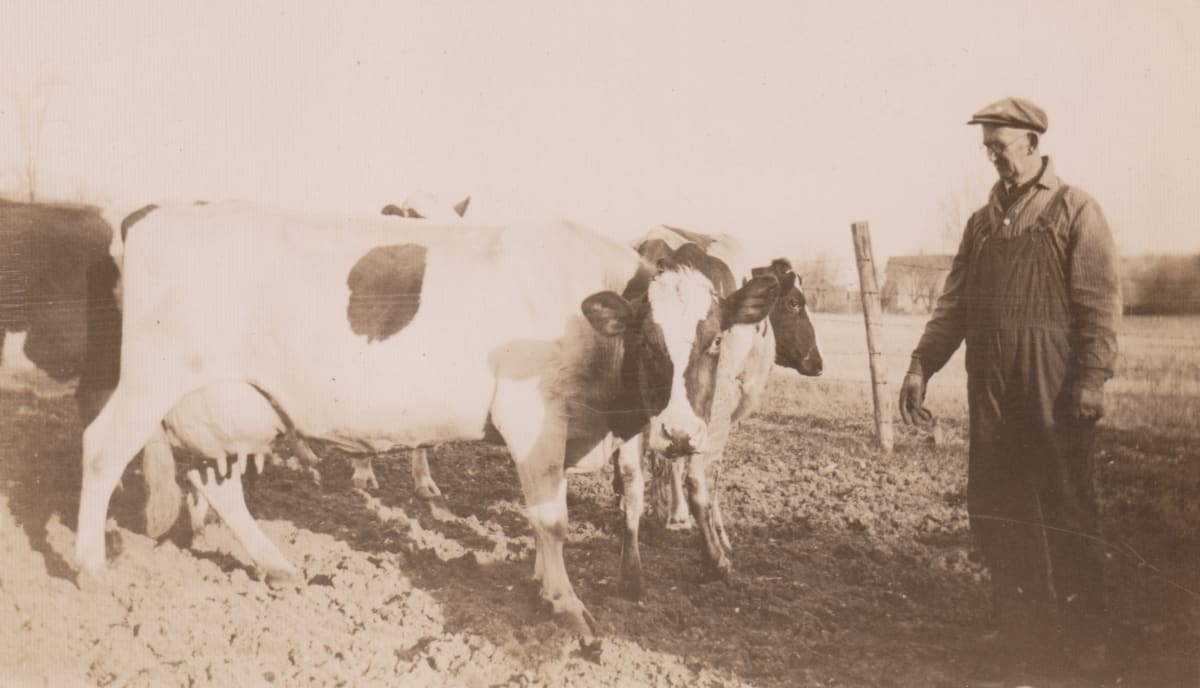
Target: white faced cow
749, 352
376, 336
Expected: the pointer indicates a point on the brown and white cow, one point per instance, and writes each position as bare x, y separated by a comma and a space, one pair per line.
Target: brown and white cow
377, 336
786, 338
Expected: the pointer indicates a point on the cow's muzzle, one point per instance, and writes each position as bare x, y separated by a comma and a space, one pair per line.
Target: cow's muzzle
678, 437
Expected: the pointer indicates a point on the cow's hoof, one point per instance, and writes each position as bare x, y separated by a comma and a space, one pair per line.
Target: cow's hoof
717, 571
281, 579
162, 510
91, 580
631, 586
315, 476
724, 571
675, 523
364, 484
428, 491
591, 650
571, 612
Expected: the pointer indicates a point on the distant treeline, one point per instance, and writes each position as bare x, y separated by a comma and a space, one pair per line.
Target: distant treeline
1161, 284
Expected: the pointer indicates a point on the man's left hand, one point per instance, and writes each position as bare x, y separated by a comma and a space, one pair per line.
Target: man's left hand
1086, 403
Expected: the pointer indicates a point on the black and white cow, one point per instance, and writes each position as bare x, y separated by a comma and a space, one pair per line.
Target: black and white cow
377, 336
787, 338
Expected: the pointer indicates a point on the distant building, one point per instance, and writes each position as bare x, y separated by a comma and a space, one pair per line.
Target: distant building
912, 284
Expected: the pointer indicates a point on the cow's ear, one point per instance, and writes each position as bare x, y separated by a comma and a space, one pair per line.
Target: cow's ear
608, 313
751, 303
782, 267
461, 206
787, 281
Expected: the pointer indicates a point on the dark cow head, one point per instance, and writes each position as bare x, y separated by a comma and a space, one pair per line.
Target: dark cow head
46, 252
795, 339
672, 329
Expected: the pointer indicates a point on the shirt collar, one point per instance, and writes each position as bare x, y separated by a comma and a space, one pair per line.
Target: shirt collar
1048, 179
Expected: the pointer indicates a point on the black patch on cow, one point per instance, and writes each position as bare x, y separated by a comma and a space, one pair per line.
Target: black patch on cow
134, 217
102, 357
715, 269
657, 256
656, 369
385, 290
701, 370
751, 303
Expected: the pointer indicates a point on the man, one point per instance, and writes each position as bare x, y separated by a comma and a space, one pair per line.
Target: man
1034, 292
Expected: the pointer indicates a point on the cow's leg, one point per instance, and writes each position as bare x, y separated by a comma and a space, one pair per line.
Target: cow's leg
629, 465
224, 494
110, 442
305, 455
679, 519
536, 436
698, 497
301, 450
364, 474
422, 479
197, 508
718, 519
163, 495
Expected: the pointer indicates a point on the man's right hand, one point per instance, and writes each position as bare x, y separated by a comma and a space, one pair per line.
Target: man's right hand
912, 396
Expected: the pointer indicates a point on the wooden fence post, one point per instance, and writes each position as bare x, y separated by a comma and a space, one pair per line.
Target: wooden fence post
867, 280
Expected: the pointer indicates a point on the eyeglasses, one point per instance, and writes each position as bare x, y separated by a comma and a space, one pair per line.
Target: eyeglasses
995, 150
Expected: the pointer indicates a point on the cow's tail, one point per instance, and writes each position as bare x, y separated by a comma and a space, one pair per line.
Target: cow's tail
163, 495
296, 443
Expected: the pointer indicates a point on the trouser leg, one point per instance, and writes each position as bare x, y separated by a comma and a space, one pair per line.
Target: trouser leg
1004, 517
1077, 551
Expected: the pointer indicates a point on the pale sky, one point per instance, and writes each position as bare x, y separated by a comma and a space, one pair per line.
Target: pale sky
778, 122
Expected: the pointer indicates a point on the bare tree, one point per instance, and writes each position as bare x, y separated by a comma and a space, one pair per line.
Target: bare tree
818, 276
926, 287
31, 113
954, 210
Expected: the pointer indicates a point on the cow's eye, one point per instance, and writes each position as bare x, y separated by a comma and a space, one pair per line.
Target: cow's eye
794, 304
715, 347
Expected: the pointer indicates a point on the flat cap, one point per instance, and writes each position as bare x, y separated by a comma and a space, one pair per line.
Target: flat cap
1013, 112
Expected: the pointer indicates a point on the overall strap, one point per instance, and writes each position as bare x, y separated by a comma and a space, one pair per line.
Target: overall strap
1052, 210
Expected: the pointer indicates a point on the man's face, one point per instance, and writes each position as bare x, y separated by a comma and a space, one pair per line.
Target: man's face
1009, 150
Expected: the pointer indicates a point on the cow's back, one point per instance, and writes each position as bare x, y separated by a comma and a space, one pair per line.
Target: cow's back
233, 291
